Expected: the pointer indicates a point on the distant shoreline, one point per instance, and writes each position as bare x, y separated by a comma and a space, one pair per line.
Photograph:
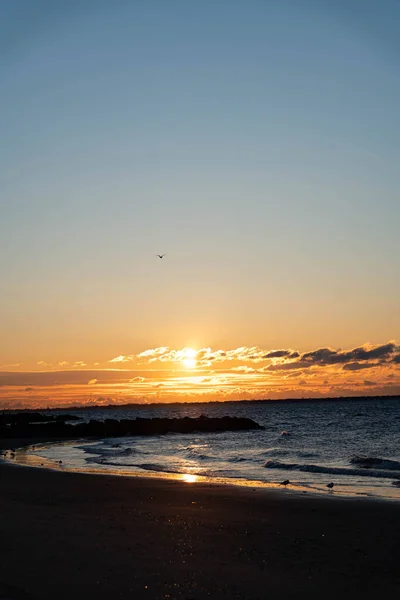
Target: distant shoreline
213, 402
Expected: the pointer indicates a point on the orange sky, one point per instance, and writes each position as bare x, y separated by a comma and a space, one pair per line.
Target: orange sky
165, 374
256, 147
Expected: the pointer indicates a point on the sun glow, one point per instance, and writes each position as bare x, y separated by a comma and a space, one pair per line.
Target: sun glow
189, 359
189, 478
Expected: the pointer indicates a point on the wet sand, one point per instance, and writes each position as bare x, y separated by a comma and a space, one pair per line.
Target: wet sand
67, 535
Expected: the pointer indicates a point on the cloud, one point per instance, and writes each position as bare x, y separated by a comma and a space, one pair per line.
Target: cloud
79, 363
328, 356
92, 381
204, 356
29, 389
351, 359
62, 363
121, 358
369, 383
356, 359
287, 366
280, 354
153, 353
356, 366
101, 400
137, 380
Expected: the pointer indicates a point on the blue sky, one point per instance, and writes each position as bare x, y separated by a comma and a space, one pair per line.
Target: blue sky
256, 143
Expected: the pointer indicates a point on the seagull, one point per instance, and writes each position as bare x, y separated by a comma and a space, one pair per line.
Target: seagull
330, 485
160, 255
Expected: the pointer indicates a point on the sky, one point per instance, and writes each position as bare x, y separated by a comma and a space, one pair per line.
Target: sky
255, 143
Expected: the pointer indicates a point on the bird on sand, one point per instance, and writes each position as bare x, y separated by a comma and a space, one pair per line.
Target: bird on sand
330, 485
160, 255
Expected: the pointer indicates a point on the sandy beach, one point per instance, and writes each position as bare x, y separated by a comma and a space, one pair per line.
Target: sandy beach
65, 535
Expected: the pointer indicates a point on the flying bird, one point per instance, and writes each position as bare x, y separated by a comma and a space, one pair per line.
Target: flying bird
160, 255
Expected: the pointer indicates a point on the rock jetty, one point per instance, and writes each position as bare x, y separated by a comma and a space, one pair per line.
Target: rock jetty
19, 426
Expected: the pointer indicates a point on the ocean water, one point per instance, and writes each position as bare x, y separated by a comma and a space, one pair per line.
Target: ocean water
354, 444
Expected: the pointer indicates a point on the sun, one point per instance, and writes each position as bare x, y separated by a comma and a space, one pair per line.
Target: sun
189, 358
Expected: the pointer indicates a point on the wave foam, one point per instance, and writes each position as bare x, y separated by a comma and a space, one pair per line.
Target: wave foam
362, 472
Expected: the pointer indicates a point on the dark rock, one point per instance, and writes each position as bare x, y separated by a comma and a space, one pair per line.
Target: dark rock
44, 428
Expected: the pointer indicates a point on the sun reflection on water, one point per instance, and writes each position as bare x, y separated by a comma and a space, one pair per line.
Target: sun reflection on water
189, 478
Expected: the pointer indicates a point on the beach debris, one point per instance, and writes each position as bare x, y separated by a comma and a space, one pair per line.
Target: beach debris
330, 485
285, 483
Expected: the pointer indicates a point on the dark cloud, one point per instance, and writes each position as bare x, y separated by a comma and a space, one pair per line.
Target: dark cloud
327, 356
322, 355
277, 354
29, 389
300, 364
379, 352
351, 359
288, 354
356, 366
367, 382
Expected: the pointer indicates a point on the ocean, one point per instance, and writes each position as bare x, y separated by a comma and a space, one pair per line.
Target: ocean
352, 443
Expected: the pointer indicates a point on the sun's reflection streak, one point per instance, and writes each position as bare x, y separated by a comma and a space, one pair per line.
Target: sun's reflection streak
190, 478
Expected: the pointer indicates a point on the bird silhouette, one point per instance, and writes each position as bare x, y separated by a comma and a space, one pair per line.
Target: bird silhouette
160, 255
286, 482
330, 485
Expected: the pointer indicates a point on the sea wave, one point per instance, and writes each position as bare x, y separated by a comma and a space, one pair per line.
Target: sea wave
157, 467
370, 462
237, 459
362, 472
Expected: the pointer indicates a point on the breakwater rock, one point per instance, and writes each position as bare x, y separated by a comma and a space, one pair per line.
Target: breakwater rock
129, 427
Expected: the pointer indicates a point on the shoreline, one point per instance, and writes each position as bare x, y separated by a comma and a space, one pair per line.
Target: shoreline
22, 458
121, 537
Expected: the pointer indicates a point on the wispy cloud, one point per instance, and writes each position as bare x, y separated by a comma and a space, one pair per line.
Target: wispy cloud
204, 356
153, 354
122, 358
